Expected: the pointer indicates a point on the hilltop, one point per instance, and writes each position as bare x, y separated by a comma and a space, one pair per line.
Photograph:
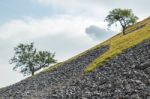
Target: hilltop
118, 68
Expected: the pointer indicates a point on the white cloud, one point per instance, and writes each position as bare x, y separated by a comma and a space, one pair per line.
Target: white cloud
33, 28
77, 7
98, 8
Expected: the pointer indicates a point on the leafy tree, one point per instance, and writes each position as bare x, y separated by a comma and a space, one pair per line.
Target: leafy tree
44, 59
124, 16
28, 60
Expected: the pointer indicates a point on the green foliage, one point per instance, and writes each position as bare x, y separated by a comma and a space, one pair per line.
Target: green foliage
124, 16
43, 59
28, 60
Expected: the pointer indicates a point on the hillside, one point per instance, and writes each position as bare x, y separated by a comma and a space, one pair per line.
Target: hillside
118, 68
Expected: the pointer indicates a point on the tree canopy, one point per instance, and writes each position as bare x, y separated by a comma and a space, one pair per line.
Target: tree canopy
28, 59
124, 16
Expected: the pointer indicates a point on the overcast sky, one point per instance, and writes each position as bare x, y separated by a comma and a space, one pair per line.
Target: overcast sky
66, 27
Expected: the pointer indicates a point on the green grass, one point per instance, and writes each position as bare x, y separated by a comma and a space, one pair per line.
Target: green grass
121, 42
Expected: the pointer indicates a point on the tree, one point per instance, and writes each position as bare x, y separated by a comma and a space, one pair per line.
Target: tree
124, 16
28, 60
44, 59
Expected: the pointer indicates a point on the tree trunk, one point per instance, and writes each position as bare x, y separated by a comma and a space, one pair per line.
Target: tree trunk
123, 30
31, 69
123, 27
32, 73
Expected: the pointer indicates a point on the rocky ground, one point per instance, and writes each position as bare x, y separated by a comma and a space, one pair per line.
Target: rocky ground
31, 88
126, 76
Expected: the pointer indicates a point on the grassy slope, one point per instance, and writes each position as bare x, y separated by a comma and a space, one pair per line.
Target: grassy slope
117, 44
121, 42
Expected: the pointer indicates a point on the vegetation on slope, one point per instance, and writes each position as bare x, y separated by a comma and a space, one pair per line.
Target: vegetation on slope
137, 33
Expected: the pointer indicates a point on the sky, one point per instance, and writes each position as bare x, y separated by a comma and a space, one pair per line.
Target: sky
66, 27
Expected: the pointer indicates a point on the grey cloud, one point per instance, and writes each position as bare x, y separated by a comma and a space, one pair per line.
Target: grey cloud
97, 33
